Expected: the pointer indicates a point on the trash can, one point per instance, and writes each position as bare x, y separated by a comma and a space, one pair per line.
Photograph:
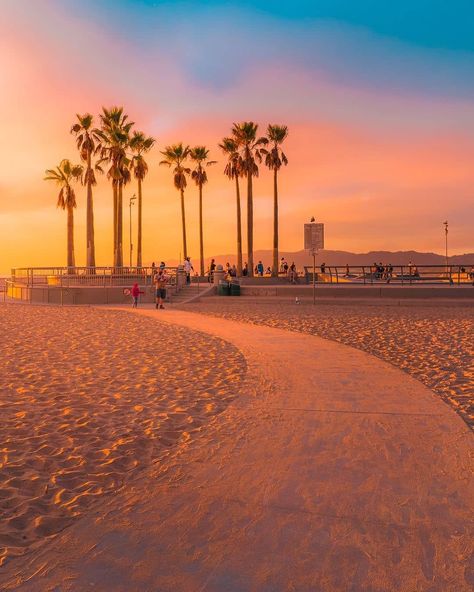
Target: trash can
235, 289
223, 289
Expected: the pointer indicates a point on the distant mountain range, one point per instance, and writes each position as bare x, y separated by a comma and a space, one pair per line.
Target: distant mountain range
302, 258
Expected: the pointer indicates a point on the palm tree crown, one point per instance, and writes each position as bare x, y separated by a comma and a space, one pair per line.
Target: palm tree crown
199, 154
140, 144
275, 157
64, 175
175, 156
115, 134
245, 134
233, 167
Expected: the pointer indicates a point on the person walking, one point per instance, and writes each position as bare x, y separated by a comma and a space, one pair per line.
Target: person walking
188, 267
135, 294
293, 274
161, 280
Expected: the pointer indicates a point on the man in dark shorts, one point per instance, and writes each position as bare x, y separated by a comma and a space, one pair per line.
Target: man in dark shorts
161, 279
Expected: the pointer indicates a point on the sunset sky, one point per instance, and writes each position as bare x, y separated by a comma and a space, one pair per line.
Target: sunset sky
379, 102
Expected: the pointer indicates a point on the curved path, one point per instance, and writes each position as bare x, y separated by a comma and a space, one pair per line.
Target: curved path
333, 471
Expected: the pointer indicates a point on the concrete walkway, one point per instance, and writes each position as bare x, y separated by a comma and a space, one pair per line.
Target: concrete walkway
333, 472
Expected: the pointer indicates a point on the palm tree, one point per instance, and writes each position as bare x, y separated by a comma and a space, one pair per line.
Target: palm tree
200, 156
139, 144
274, 159
64, 175
88, 140
233, 170
245, 135
115, 133
175, 156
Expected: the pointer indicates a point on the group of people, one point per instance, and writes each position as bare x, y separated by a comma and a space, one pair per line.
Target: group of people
160, 280
383, 272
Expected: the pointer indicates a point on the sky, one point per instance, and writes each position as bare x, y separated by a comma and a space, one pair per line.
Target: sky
378, 98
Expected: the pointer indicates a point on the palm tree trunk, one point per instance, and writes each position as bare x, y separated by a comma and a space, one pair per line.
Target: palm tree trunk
114, 188
139, 237
70, 240
201, 236
275, 223
90, 259
183, 222
120, 225
250, 222
239, 228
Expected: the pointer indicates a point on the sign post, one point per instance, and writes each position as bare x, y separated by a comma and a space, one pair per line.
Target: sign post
314, 240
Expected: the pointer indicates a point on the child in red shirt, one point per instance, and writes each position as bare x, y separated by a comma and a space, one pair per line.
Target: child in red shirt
135, 294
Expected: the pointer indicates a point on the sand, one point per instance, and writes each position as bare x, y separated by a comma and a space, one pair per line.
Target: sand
332, 470
435, 344
88, 399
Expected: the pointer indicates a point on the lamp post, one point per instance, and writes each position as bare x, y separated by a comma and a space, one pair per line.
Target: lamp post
446, 244
132, 200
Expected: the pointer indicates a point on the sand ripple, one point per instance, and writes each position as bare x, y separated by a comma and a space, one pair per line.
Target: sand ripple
88, 398
435, 344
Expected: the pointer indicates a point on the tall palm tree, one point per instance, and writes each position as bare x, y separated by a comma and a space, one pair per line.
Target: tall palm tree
64, 175
233, 170
88, 140
274, 159
250, 145
116, 134
175, 156
139, 144
199, 154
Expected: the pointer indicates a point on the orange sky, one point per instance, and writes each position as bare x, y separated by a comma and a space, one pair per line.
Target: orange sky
382, 166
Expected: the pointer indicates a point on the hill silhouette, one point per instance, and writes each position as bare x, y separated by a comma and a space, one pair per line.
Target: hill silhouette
342, 258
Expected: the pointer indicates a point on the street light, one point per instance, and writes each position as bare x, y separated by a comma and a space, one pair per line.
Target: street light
446, 243
132, 199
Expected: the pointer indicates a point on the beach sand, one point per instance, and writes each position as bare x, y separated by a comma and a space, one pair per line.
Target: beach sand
90, 397
435, 344
332, 470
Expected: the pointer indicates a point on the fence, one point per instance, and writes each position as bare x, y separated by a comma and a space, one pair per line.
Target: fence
392, 274
68, 277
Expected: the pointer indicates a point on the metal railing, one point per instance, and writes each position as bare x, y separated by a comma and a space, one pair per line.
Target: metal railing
68, 277
392, 274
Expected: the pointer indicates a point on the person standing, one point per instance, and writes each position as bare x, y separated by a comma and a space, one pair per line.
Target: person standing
161, 280
188, 267
212, 269
245, 269
260, 268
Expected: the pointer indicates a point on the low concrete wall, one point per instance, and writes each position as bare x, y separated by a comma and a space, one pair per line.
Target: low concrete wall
115, 295
327, 291
77, 295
